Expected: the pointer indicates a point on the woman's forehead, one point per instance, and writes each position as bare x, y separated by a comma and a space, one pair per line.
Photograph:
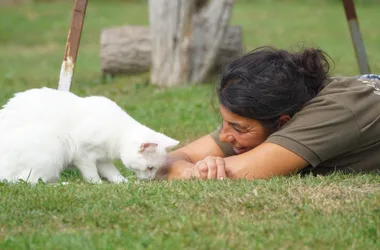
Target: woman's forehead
230, 117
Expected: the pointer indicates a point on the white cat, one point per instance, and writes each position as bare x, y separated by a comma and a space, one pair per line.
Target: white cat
43, 131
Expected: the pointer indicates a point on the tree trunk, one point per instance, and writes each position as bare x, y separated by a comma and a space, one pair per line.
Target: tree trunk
186, 36
127, 49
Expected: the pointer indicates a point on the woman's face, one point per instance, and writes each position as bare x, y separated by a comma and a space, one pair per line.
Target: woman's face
242, 133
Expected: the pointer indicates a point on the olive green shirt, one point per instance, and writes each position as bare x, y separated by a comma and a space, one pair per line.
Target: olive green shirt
339, 129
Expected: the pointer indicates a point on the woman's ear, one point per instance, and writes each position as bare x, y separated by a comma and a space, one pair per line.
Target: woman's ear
282, 120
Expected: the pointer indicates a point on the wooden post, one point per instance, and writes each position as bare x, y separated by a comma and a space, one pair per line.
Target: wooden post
356, 36
72, 45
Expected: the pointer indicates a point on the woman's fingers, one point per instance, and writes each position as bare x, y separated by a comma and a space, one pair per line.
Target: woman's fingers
221, 168
203, 169
211, 168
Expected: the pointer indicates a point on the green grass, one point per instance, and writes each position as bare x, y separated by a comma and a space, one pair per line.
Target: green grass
333, 212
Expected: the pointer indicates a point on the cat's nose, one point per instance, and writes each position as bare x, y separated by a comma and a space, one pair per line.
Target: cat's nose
150, 168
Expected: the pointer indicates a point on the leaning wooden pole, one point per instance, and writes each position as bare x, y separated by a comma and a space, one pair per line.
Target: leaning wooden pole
356, 36
72, 45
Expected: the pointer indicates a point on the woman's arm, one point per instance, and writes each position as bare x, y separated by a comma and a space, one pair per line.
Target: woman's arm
181, 161
264, 161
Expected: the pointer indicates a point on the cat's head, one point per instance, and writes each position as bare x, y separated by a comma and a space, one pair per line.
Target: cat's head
147, 157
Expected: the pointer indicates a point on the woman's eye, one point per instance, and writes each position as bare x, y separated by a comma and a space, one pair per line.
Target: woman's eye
237, 130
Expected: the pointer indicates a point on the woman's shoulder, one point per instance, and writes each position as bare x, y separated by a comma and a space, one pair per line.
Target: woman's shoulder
350, 83
349, 92
345, 104
342, 119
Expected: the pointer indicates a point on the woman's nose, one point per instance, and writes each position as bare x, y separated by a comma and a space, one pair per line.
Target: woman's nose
226, 137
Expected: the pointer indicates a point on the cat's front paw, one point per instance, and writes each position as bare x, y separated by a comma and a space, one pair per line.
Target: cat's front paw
95, 181
118, 179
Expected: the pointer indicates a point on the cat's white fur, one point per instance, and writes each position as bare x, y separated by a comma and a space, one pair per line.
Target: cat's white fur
43, 131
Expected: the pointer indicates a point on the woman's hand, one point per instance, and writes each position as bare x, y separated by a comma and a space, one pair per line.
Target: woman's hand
210, 168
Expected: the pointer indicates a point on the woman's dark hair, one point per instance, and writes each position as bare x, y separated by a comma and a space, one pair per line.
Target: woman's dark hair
268, 82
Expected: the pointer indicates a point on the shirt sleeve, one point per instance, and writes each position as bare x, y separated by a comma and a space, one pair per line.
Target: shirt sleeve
322, 130
224, 146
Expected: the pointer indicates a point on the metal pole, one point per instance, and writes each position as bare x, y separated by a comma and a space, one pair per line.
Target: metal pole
356, 36
72, 45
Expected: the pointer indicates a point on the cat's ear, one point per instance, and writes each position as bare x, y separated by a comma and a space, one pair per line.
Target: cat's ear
148, 147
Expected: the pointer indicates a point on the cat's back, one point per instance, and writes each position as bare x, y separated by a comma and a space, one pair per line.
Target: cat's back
37, 105
41, 96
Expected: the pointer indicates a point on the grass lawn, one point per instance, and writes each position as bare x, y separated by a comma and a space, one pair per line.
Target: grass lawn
332, 212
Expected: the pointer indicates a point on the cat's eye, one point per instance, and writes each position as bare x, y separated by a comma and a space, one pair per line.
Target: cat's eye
150, 168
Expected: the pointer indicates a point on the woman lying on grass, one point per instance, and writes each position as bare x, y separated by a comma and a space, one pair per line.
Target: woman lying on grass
282, 115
